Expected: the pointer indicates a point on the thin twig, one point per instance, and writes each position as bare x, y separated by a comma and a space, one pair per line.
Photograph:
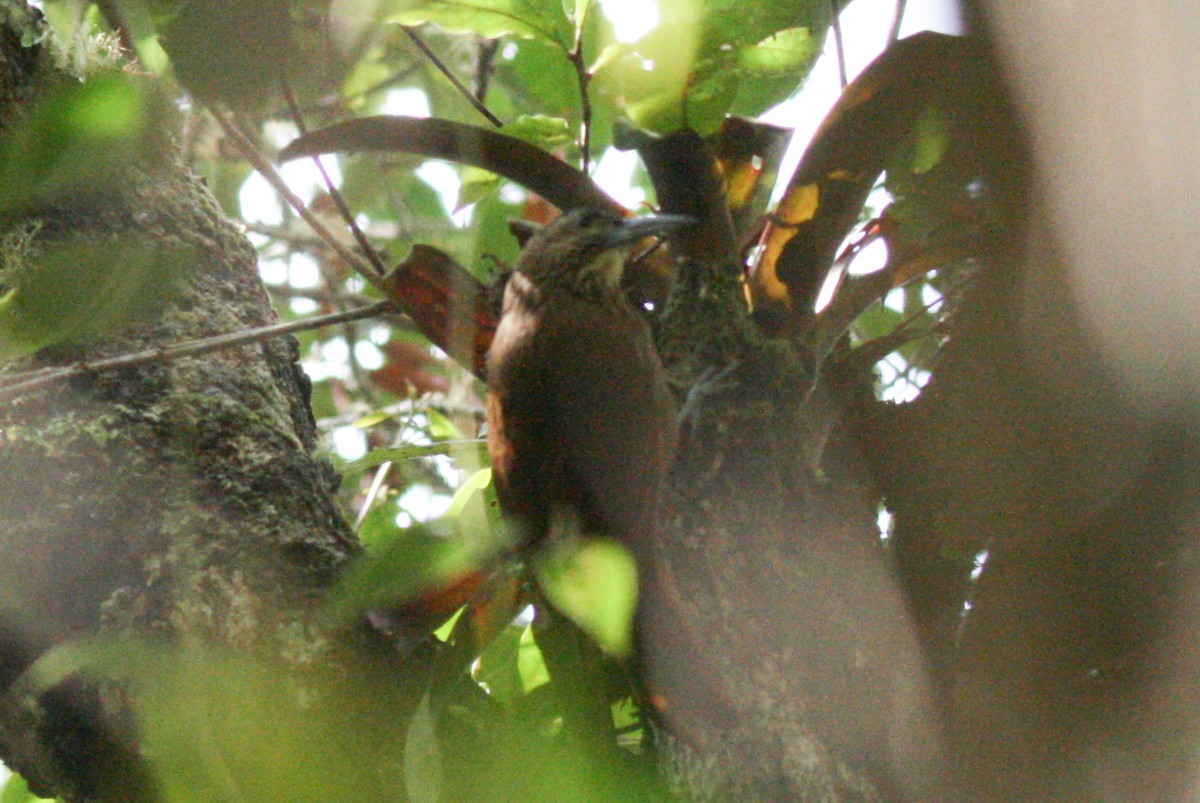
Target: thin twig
897, 18
459, 85
839, 45
17, 383
485, 62
260, 163
585, 102
583, 77
334, 193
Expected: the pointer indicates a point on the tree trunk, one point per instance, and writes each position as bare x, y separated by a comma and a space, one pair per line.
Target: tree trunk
178, 500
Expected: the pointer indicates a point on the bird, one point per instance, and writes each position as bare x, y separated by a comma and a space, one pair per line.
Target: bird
580, 417
582, 425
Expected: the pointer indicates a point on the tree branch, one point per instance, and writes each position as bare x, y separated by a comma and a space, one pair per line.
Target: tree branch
334, 193
260, 163
459, 85
15, 384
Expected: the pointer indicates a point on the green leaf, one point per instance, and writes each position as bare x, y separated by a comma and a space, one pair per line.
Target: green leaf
493, 245
540, 78
411, 451
373, 419
772, 69
406, 563
79, 288
931, 139
548, 133
441, 426
17, 791
594, 582
214, 725
80, 142
530, 19
531, 663
689, 70
789, 52
476, 185
578, 11
740, 23
422, 755
475, 484
498, 669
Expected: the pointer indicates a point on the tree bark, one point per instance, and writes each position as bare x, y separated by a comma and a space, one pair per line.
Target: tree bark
179, 501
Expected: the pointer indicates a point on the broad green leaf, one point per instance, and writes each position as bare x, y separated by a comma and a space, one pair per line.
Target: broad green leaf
594, 582
530, 662
931, 138
689, 71
788, 52
741, 23
474, 507
214, 725
79, 288
80, 142
475, 484
773, 68
422, 756
498, 668
531, 19
476, 185
407, 563
493, 246
539, 78
441, 427
654, 73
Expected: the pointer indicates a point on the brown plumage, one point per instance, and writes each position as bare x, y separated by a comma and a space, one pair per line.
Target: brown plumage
581, 421
579, 414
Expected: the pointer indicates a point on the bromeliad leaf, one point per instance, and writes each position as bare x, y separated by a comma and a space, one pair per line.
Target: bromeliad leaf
528, 19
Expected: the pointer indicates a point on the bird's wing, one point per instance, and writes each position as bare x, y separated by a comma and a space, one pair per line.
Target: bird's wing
596, 412
611, 415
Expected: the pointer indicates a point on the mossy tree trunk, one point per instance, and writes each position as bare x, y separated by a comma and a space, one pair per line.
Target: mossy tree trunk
178, 500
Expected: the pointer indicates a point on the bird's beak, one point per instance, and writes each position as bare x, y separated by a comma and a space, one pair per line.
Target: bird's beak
639, 228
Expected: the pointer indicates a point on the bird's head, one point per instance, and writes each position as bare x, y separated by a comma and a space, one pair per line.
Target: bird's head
586, 248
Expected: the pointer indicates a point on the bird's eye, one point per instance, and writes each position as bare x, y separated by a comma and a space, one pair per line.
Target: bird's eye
589, 218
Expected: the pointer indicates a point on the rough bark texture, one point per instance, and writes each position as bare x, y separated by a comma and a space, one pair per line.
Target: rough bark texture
773, 536
179, 500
